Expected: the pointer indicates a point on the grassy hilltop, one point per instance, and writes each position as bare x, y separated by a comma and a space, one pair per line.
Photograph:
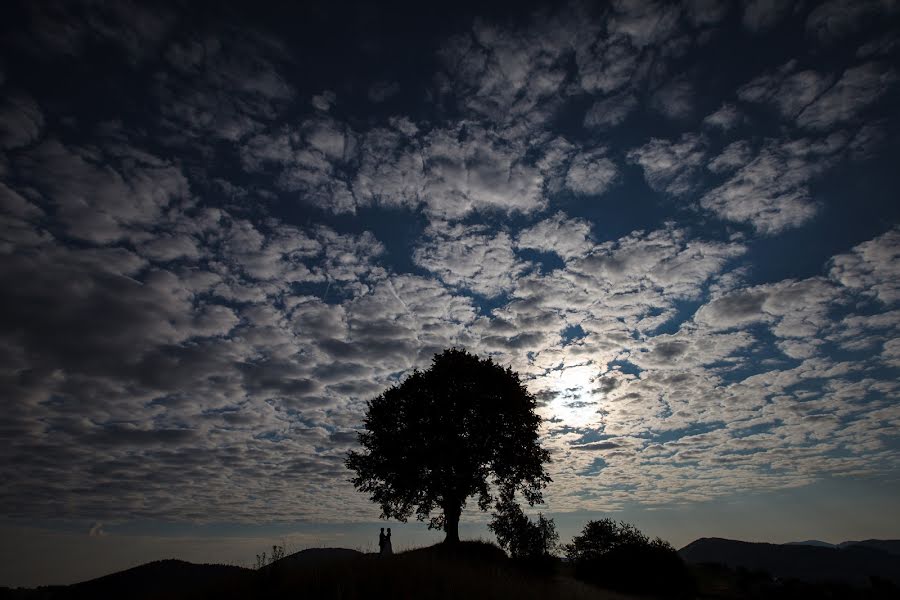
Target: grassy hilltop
469, 569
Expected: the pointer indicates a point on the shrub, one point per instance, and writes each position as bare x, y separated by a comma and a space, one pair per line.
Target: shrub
262, 560
599, 537
617, 555
523, 538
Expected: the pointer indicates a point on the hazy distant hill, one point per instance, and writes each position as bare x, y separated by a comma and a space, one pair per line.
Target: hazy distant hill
889, 546
818, 543
854, 563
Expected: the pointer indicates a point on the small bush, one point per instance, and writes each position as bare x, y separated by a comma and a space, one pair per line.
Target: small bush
262, 560
645, 569
618, 556
599, 537
524, 539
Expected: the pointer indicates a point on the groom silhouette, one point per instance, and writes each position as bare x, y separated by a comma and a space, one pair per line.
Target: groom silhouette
381, 539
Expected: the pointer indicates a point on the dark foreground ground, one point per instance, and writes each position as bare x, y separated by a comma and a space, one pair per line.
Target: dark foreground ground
471, 570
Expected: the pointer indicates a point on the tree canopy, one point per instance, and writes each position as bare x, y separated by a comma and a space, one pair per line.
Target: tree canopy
601, 537
522, 537
466, 427
618, 556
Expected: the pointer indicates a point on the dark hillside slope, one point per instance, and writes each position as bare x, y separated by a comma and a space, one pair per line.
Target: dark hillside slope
854, 564
159, 579
312, 557
889, 546
472, 570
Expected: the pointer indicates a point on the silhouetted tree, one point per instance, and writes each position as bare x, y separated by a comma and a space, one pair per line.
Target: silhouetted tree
617, 555
465, 427
262, 560
523, 538
599, 537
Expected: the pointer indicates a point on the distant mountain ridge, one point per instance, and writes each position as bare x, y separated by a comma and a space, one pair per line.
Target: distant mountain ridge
889, 546
849, 562
818, 543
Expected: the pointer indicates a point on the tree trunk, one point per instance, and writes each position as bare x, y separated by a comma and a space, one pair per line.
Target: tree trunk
451, 524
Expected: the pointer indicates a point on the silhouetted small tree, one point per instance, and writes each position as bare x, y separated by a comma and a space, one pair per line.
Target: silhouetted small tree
599, 537
523, 538
465, 427
616, 555
262, 560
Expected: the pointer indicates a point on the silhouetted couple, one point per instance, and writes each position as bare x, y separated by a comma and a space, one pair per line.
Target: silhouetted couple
384, 543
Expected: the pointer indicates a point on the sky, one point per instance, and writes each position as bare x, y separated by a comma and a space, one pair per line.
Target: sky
225, 227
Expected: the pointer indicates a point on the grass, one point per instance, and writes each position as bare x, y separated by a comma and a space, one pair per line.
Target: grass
472, 570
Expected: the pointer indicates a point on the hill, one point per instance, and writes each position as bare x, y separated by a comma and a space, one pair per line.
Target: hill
158, 579
853, 564
889, 546
818, 543
481, 570
469, 570
312, 557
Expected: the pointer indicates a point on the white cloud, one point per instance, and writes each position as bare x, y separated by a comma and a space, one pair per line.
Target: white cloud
479, 173
786, 89
725, 118
857, 89
675, 99
307, 160
14, 204
221, 89
872, 268
392, 169
670, 166
663, 260
733, 156
471, 259
644, 22
883, 45
103, 203
770, 192
610, 111
606, 66
591, 172
324, 101
170, 247
567, 237
453, 172
794, 309
505, 75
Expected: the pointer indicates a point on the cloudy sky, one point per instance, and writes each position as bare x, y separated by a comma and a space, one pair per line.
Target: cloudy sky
223, 231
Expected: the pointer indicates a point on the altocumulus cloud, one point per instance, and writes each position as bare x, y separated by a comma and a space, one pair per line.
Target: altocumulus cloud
208, 269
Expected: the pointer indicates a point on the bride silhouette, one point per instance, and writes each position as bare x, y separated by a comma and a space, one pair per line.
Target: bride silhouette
384, 542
